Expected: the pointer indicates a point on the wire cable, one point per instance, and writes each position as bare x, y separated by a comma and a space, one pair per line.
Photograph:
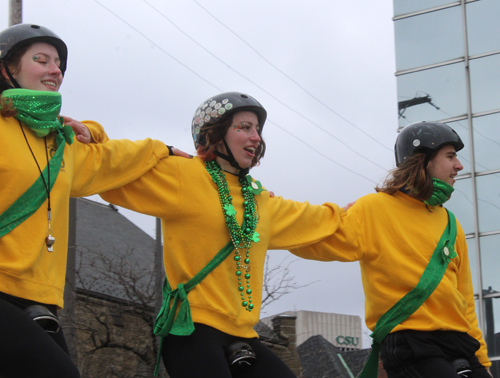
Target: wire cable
288, 77
213, 85
320, 153
262, 89
156, 45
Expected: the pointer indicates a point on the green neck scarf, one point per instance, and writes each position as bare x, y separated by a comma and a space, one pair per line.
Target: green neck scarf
39, 111
441, 194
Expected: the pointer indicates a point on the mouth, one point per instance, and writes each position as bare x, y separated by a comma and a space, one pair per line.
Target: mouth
49, 83
250, 150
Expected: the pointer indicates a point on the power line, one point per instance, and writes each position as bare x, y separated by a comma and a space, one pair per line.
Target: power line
289, 78
194, 72
262, 89
320, 153
161, 49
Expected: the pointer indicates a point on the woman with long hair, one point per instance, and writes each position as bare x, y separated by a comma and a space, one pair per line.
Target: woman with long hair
419, 299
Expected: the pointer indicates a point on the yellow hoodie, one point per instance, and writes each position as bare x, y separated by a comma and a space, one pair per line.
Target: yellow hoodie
393, 237
182, 193
27, 269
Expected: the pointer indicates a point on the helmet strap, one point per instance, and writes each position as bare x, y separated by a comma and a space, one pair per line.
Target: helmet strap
230, 158
11, 78
441, 193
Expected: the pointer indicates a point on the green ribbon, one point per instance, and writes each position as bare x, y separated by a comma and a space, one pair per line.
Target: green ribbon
37, 110
441, 193
180, 323
432, 276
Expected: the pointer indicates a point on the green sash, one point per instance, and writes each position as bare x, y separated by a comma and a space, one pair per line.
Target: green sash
180, 323
407, 305
35, 196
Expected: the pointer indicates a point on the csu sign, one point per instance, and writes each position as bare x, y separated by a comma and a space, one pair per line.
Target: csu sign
347, 340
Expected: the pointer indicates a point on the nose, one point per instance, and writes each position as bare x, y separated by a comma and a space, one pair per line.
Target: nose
254, 136
54, 69
458, 166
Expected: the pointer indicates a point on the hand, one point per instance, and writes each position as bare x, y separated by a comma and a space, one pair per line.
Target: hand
81, 132
271, 194
178, 152
349, 205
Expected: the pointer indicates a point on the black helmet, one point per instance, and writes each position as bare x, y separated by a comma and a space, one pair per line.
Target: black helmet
21, 34
220, 106
424, 137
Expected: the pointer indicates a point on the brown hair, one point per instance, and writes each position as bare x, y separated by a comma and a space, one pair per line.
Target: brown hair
213, 133
12, 62
411, 176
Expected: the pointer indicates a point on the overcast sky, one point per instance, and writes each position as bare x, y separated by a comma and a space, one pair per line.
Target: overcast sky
324, 70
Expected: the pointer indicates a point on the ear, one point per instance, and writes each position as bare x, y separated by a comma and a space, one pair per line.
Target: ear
4, 73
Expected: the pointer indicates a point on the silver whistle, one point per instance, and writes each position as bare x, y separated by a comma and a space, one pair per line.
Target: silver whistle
49, 241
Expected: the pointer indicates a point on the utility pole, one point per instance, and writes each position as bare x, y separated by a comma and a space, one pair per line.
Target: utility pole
15, 12
68, 314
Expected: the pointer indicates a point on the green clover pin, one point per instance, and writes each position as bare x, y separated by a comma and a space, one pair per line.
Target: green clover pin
255, 186
448, 252
255, 237
229, 209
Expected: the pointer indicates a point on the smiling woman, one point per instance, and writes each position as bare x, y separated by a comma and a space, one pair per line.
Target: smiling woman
43, 165
218, 224
39, 68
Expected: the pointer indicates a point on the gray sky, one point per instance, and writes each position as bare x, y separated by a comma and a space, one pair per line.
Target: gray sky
141, 68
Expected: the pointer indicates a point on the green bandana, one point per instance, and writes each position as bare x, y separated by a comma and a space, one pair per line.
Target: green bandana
441, 194
38, 110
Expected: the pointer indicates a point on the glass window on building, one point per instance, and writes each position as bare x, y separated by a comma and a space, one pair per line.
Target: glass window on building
485, 83
487, 135
409, 6
482, 24
461, 204
488, 194
490, 250
492, 322
471, 246
429, 38
445, 87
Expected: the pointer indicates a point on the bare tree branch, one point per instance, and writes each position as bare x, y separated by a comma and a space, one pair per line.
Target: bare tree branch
278, 280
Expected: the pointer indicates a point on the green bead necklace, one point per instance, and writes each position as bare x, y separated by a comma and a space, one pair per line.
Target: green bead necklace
242, 237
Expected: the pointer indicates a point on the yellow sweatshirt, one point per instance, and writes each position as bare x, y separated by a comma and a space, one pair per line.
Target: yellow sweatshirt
393, 237
181, 192
27, 269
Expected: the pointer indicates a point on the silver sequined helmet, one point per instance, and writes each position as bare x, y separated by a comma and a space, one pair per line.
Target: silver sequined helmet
221, 106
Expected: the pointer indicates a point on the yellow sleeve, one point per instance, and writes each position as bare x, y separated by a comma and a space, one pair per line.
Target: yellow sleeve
464, 282
344, 244
294, 224
97, 131
155, 193
104, 166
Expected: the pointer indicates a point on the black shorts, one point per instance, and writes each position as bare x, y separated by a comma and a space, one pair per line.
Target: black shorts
418, 354
26, 350
202, 354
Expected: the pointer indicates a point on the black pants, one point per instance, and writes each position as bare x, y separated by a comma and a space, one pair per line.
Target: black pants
201, 355
26, 350
417, 354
